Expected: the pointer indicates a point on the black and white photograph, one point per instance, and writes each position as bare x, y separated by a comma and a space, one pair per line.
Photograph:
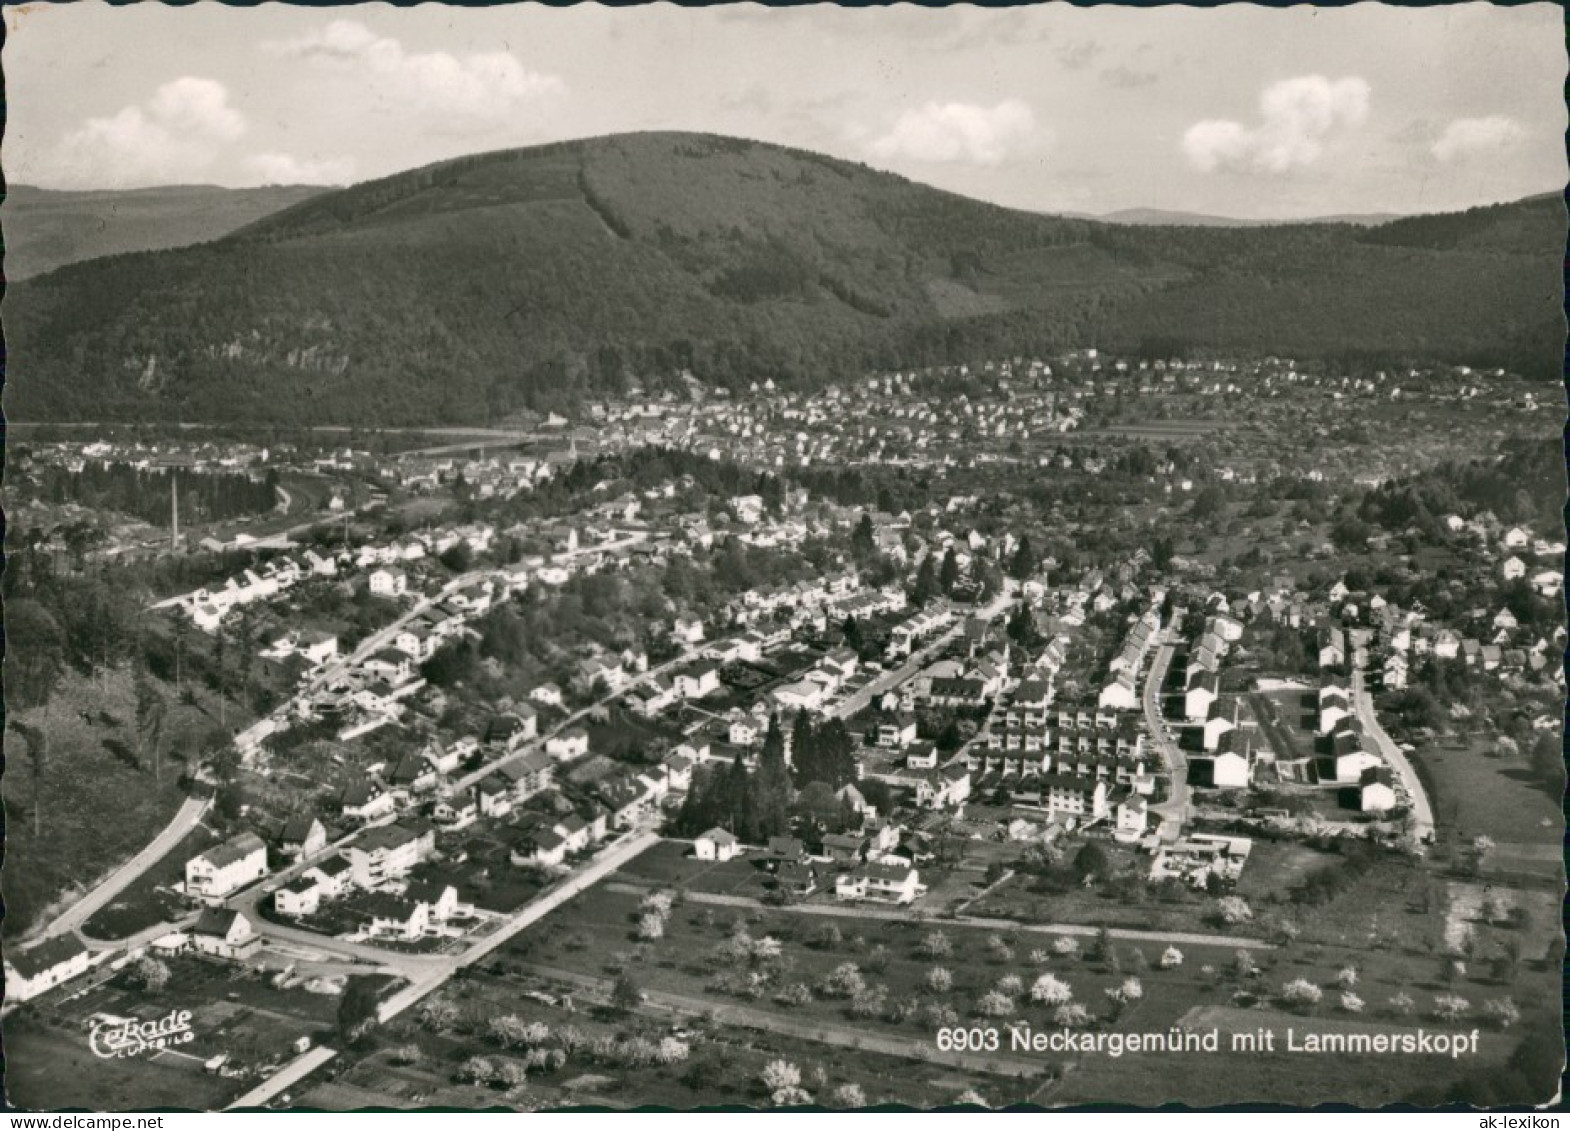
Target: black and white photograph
783, 557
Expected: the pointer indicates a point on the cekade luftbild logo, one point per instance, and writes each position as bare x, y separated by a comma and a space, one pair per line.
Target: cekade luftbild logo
118, 1040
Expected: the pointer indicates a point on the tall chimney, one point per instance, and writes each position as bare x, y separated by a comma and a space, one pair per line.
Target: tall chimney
174, 513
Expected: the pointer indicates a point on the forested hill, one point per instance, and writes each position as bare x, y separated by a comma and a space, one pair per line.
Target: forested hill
46, 229
466, 290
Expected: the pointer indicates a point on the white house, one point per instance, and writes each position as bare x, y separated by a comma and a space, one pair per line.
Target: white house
1229, 770
716, 844
882, 883
1133, 815
227, 867
1376, 793
388, 582
224, 934
571, 743
37, 969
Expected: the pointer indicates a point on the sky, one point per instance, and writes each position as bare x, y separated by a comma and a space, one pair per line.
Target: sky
1236, 111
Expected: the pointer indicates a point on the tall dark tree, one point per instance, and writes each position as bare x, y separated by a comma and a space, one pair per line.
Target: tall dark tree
1024, 563
926, 584
862, 543
771, 786
36, 743
948, 573
35, 652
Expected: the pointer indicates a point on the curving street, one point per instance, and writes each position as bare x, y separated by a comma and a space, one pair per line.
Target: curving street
1174, 810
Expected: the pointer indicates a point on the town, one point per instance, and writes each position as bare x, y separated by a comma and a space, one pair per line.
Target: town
722, 747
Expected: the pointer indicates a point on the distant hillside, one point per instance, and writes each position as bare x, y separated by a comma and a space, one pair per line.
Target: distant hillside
1160, 216
45, 229
463, 291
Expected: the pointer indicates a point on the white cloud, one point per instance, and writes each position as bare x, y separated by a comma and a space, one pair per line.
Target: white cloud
462, 94
1466, 138
173, 136
959, 132
1298, 116
286, 169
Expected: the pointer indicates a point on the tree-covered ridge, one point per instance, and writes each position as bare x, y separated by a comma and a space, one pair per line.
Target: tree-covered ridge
535, 278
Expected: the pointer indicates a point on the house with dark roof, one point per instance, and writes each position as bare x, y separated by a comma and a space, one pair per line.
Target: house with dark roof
302, 837
34, 970
224, 933
364, 800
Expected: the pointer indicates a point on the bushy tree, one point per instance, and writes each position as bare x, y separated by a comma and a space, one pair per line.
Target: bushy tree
1051, 991
1071, 1015
1501, 1012
994, 1004
1233, 909
848, 1096
1301, 993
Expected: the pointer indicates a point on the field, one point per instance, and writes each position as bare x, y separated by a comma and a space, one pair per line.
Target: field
49, 1063
114, 807
723, 1066
1475, 795
147, 899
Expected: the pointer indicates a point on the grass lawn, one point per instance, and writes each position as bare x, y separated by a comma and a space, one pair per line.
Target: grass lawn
147, 899
1475, 795
99, 809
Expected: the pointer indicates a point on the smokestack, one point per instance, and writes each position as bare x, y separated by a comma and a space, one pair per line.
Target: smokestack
174, 513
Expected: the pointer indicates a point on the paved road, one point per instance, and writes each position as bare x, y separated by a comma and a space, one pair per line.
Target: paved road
426, 972
688, 654
854, 703
916, 915
1174, 811
828, 1032
608, 860
1422, 810
74, 917
297, 1069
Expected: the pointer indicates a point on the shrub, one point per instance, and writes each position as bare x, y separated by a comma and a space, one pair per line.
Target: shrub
1071, 1016
936, 945
1501, 1012
1051, 990
994, 1004
1233, 909
797, 993
939, 980
939, 1015
1451, 1007
1011, 984
848, 1095
870, 1002
845, 981
1351, 1003
1171, 958
1347, 977
1065, 947
651, 927
1402, 1004
1300, 993
779, 1074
